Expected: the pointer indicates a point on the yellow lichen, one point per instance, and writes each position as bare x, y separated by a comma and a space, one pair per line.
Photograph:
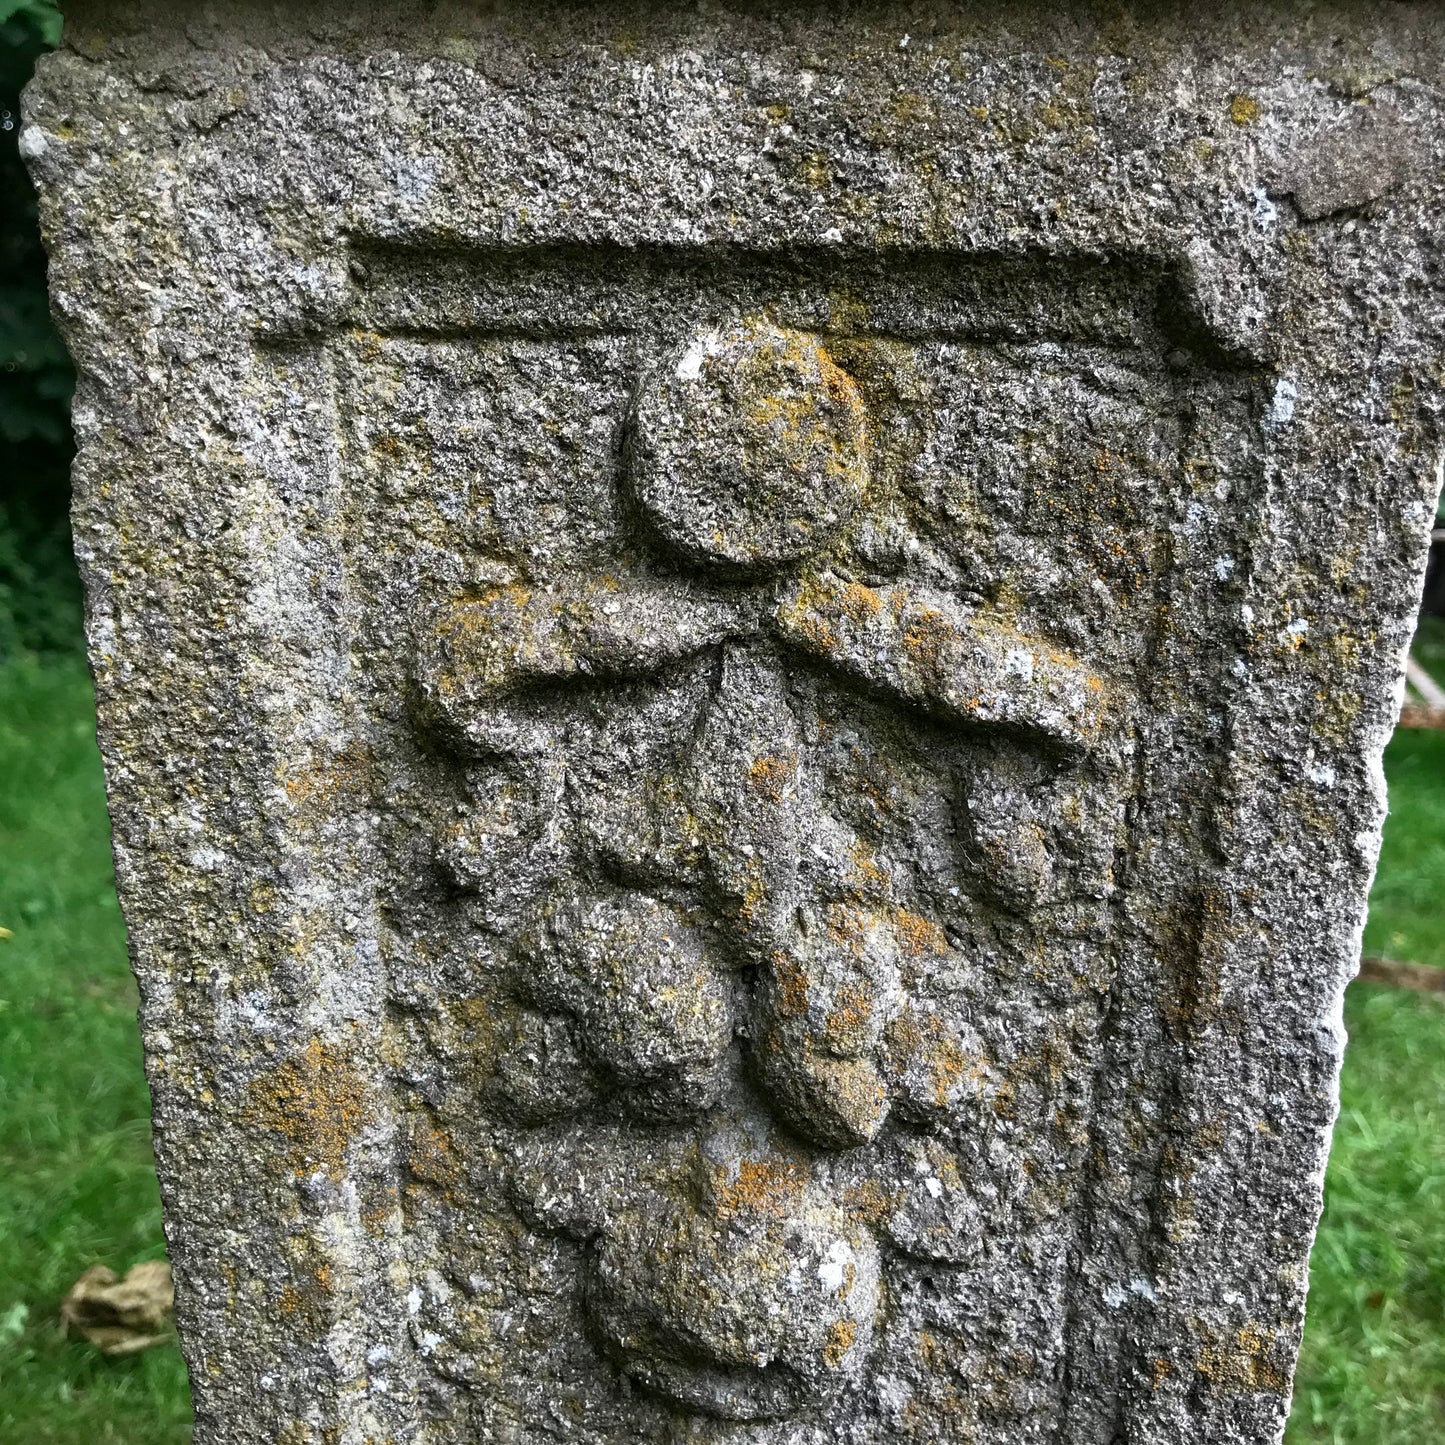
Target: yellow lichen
841, 1335
926, 636
847, 1024
344, 775
870, 875
770, 774
1244, 1364
1244, 109
817, 170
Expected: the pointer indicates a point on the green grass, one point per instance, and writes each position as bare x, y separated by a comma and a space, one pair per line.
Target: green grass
1372, 1371
77, 1184
1429, 646
76, 1180
1407, 904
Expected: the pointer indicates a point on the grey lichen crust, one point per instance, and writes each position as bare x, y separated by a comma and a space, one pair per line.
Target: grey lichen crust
742, 657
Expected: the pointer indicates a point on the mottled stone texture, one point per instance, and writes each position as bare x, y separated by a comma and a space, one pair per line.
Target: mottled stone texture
742, 660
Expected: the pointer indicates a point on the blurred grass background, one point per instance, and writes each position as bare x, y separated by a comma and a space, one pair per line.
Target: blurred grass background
77, 1184
1373, 1364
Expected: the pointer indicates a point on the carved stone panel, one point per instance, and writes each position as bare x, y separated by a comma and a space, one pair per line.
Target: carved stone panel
742, 668
755, 833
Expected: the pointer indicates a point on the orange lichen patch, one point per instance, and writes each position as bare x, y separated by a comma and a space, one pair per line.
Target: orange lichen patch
946, 1167
905, 1036
859, 602
370, 343
770, 775
841, 388
431, 1156
317, 1103
1244, 109
872, 876
820, 608
948, 1066
1247, 1363
792, 412
850, 927
472, 1031
486, 639
344, 775
1160, 1371
476, 619
801, 613
377, 1219
293, 1301
918, 935
298, 1432
925, 1043
792, 984
869, 1203
512, 594
815, 632
311, 1291
762, 1186
929, 632
841, 1335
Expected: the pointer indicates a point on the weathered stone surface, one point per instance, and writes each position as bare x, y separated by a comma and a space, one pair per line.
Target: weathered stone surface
742, 658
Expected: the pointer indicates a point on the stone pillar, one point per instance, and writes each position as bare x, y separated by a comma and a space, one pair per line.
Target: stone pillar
742, 658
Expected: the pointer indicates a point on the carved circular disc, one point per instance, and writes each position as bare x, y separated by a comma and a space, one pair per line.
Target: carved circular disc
750, 446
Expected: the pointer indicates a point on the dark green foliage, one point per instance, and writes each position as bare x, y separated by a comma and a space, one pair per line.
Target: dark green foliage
39, 591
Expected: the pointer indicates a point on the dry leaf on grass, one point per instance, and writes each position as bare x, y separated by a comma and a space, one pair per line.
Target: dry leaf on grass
1424, 976
120, 1316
